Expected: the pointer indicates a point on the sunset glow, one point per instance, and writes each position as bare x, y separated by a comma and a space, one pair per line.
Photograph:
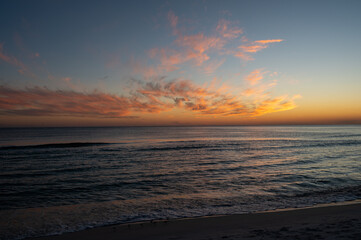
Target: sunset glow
202, 63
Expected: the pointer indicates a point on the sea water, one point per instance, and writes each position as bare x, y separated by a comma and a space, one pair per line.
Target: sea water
56, 180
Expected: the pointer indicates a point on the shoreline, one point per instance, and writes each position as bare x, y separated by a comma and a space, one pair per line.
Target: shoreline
340, 220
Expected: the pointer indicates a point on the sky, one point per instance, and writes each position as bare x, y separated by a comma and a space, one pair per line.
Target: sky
155, 63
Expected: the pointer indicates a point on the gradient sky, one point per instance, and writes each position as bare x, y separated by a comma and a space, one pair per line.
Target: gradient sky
121, 63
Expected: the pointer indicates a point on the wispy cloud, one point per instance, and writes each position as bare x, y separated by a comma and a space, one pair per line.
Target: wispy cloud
66, 79
12, 60
255, 76
197, 48
227, 31
260, 89
173, 20
210, 67
147, 72
194, 48
243, 56
258, 45
253, 47
268, 41
23, 48
197, 45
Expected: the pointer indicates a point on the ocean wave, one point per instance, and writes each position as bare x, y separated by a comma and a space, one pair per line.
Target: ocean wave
56, 145
36, 222
71, 183
175, 148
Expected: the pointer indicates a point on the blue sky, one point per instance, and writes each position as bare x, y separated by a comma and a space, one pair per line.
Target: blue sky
112, 46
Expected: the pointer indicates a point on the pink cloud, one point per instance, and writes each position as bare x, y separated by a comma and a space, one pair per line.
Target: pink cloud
197, 48
66, 79
12, 60
211, 67
193, 48
252, 48
243, 56
226, 31
200, 43
173, 20
170, 58
38, 101
147, 72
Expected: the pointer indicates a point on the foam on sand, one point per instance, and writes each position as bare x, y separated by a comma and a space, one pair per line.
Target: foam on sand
333, 221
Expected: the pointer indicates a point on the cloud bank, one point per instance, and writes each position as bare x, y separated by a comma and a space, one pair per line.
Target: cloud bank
150, 97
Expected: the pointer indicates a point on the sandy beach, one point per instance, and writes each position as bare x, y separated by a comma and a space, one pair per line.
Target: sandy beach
338, 221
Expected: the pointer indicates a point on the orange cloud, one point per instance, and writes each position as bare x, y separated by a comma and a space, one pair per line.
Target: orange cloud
170, 58
201, 100
158, 96
212, 66
151, 97
199, 42
254, 47
197, 47
243, 56
192, 47
259, 90
268, 41
187, 95
275, 105
38, 101
250, 91
255, 76
147, 72
258, 45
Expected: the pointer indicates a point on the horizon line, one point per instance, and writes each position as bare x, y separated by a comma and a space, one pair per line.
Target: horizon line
203, 125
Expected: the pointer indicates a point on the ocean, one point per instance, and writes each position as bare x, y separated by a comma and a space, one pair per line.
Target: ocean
56, 180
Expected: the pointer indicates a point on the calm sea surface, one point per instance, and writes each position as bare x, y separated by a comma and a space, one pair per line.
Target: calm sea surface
55, 180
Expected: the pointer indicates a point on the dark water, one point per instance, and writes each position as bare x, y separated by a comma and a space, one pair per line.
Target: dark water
54, 180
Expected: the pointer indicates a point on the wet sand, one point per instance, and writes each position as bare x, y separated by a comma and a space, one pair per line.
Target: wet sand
341, 221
